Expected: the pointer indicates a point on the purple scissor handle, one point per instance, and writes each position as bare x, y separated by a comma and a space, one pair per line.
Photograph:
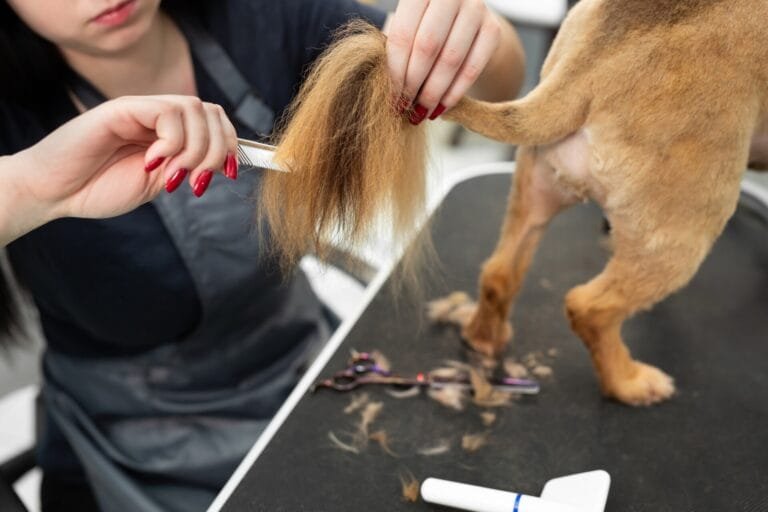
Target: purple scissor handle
363, 370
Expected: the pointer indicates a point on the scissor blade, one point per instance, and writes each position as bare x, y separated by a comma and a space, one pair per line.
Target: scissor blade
256, 155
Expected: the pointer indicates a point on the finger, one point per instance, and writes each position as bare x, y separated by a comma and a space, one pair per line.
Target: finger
486, 43
457, 47
400, 35
151, 120
169, 132
196, 137
430, 39
230, 163
201, 177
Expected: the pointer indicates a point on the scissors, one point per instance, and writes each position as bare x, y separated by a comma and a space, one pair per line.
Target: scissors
363, 370
257, 155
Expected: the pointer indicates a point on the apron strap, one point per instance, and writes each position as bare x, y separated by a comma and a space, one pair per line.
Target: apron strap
250, 110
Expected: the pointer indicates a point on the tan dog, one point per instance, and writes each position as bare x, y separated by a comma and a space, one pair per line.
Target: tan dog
653, 109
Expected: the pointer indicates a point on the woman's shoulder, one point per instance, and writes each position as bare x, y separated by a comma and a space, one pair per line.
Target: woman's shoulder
306, 21
295, 9
272, 43
20, 127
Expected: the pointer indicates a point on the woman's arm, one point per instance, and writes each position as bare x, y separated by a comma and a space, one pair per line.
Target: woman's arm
18, 213
440, 50
114, 158
503, 77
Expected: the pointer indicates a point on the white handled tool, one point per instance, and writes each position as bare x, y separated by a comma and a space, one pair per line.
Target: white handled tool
583, 492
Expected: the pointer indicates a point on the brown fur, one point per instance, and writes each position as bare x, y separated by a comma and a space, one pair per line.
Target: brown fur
353, 158
651, 108
656, 127
410, 487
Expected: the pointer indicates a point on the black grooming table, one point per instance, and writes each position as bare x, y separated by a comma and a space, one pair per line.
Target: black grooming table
705, 450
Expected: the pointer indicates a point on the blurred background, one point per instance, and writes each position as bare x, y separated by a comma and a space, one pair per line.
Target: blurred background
452, 150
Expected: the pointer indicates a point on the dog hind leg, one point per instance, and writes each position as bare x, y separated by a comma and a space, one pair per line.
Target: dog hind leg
535, 199
646, 267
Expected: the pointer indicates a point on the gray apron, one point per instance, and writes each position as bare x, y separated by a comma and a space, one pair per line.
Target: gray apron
162, 431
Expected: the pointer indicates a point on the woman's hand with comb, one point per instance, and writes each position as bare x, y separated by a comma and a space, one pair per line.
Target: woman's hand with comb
113, 158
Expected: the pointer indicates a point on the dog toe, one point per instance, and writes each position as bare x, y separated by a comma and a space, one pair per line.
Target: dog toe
489, 340
647, 386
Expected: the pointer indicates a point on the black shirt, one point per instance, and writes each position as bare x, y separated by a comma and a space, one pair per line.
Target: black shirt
119, 286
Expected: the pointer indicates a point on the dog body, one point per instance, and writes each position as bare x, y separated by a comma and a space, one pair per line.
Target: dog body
653, 109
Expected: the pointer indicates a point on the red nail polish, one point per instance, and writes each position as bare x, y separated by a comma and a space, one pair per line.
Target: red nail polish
402, 105
201, 185
439, 109
154, 164
418, 114
230, 167
175, 180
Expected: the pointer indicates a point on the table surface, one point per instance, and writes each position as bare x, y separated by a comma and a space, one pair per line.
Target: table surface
706, 449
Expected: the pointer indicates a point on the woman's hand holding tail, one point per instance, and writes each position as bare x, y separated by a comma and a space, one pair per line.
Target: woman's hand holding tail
437, 50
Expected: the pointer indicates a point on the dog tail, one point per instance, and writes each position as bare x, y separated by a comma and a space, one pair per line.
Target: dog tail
547, 114
354, 161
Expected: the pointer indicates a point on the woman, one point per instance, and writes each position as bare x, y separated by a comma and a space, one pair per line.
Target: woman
170, 341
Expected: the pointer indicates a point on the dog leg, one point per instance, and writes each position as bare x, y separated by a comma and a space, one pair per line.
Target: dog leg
535, 199
597, 311
644, 270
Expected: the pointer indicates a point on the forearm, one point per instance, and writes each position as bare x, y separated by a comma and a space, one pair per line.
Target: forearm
20, 211
503, 77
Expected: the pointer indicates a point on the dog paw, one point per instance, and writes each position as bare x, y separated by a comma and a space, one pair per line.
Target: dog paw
647, 386
488, 338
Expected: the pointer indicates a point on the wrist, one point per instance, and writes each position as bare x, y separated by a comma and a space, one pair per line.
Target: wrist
21, 210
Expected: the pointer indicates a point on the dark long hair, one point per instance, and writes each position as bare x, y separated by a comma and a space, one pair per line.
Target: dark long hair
31, 67
29, 64
9, 314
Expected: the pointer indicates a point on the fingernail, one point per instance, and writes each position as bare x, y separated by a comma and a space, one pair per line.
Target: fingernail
402, 105
154, 164
230, 167
439, 109
418, 114
201, 185
175, 180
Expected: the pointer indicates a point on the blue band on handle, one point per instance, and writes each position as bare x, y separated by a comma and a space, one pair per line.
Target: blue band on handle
517, 503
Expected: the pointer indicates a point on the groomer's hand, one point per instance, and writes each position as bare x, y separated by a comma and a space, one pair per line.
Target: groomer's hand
114, 158
437, 50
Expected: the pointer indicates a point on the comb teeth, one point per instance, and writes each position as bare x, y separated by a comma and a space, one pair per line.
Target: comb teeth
255, 155
242, 157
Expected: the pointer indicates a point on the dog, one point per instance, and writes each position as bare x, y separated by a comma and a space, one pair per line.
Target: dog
651, 108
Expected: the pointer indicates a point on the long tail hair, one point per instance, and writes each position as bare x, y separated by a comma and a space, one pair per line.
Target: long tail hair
354, 159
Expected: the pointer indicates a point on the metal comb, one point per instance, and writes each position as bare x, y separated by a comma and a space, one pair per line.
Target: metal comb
256, 155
